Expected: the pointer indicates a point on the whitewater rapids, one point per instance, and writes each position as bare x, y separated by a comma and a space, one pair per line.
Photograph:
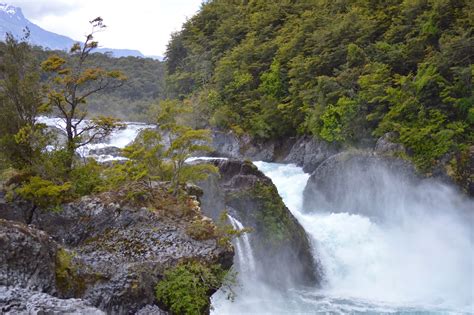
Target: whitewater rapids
420, 263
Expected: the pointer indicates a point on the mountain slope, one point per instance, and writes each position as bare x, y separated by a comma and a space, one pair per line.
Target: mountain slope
13, 21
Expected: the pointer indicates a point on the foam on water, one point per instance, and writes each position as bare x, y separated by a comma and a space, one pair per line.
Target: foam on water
420, 263
119, 138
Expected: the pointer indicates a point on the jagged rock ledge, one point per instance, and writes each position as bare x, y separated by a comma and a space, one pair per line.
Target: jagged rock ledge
279, 241
96, 256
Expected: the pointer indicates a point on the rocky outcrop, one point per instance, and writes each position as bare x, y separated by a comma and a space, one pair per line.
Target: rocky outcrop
304, 151
15, 300
27, 257
109, 151
309, 153
229, 145
279, 242
346, 181
104, 253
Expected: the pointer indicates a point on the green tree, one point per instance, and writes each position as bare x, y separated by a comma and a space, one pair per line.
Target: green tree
183, 142
21, 137
72, 82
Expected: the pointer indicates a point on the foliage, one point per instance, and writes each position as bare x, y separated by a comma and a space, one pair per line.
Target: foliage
183, 142
144, 85
44, 193
86, 178
201, 229
342, 71
21, 138
222, 231
70, 85
186, 287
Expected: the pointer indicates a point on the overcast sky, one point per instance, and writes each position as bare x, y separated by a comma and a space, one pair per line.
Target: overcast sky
145, 25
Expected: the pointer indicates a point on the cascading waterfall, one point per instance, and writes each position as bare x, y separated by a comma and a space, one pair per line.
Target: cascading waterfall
416, 259
243, 247
420, 262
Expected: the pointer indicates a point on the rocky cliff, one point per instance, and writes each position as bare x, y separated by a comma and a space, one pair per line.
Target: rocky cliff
281, 246
105, 255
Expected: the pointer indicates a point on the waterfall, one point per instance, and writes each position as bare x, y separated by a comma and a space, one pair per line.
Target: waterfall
419, 261
244, 250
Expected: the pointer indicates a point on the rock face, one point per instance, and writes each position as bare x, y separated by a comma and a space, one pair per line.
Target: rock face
27, 257
109, 255
22, 301
310, 153
227, 144
347, 181
279, 242
303, 151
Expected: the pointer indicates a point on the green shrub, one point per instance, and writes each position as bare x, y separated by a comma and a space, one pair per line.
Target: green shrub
201, 229
185, 289
86, 178
44, 193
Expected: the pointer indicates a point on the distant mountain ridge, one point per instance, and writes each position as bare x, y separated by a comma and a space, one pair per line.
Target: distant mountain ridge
13, 21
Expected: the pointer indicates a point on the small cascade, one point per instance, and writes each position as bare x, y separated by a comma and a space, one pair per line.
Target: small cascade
119, 138
243, 247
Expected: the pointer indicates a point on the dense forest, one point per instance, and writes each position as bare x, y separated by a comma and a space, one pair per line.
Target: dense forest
344, 71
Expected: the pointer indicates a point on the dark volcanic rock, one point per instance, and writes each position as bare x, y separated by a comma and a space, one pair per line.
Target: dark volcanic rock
225, 144
310, 153
27, 257
120, 253
109, 255
347, 181
278, 240
21, 301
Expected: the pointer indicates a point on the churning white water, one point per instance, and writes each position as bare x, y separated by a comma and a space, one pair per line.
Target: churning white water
420, 262
119, 138
416, 259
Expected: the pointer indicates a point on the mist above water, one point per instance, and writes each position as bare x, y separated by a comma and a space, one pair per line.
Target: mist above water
403, 246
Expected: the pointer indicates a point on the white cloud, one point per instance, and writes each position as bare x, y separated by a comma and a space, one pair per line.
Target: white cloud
34, 9
145, 25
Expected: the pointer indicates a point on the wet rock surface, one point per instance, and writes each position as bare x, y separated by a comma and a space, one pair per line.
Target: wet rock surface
386, 146
27, 257
15, 300
278, 240
309, 153
345, 181
108, 255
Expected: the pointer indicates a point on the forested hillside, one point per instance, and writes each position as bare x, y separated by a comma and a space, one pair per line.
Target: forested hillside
344, 71
144, 85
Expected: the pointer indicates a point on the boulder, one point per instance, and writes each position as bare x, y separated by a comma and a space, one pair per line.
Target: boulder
225, 144
279, 242
27, 257
309, 153
358, 182
15, 300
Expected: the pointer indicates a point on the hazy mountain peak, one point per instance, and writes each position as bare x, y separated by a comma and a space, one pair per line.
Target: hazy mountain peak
9, 9
13, 21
